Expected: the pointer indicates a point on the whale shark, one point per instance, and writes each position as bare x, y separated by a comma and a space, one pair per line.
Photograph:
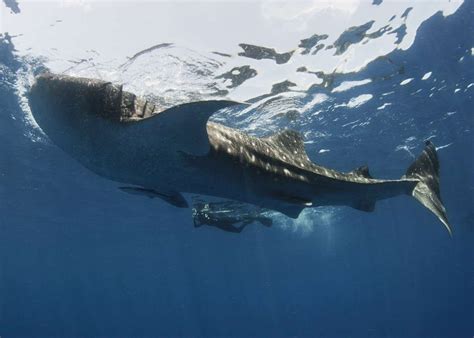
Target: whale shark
165, 153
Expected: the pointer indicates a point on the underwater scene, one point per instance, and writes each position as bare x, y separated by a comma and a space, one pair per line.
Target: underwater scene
237, 168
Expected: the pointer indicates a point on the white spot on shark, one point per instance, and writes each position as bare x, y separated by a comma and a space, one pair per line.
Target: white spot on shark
406, 81
386, 104
427, 76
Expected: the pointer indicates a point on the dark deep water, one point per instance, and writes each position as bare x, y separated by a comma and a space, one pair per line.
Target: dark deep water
80, 258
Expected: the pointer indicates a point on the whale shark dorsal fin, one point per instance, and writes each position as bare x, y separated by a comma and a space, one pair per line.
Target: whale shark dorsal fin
289, 139
183, 127
292, 143
362, 171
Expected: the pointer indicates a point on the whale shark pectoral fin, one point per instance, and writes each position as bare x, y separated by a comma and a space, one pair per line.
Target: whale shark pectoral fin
362, 171
182, 127
173, 197
364, 205
150, 193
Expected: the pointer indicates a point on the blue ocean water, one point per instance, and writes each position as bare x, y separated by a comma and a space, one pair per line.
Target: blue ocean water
80, 258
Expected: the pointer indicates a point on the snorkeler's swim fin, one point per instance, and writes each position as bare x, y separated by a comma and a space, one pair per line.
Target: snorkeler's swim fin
426, 191
265, 221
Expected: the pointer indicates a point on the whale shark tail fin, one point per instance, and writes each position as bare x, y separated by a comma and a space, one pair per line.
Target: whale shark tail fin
426, 170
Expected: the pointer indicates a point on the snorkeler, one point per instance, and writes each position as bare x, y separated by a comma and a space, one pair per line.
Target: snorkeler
226, 216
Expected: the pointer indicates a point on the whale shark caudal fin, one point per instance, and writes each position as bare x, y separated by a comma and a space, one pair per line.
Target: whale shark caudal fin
426, 191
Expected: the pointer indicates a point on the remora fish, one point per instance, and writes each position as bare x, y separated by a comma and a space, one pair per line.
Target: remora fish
123, 138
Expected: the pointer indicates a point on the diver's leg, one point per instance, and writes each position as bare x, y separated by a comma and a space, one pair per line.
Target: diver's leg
244, 224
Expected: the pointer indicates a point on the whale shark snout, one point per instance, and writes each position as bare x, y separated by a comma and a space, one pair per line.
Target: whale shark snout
77, 113
68, 99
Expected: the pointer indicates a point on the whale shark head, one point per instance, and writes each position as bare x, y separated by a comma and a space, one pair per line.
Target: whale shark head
62, 104
82, 116
71, 110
